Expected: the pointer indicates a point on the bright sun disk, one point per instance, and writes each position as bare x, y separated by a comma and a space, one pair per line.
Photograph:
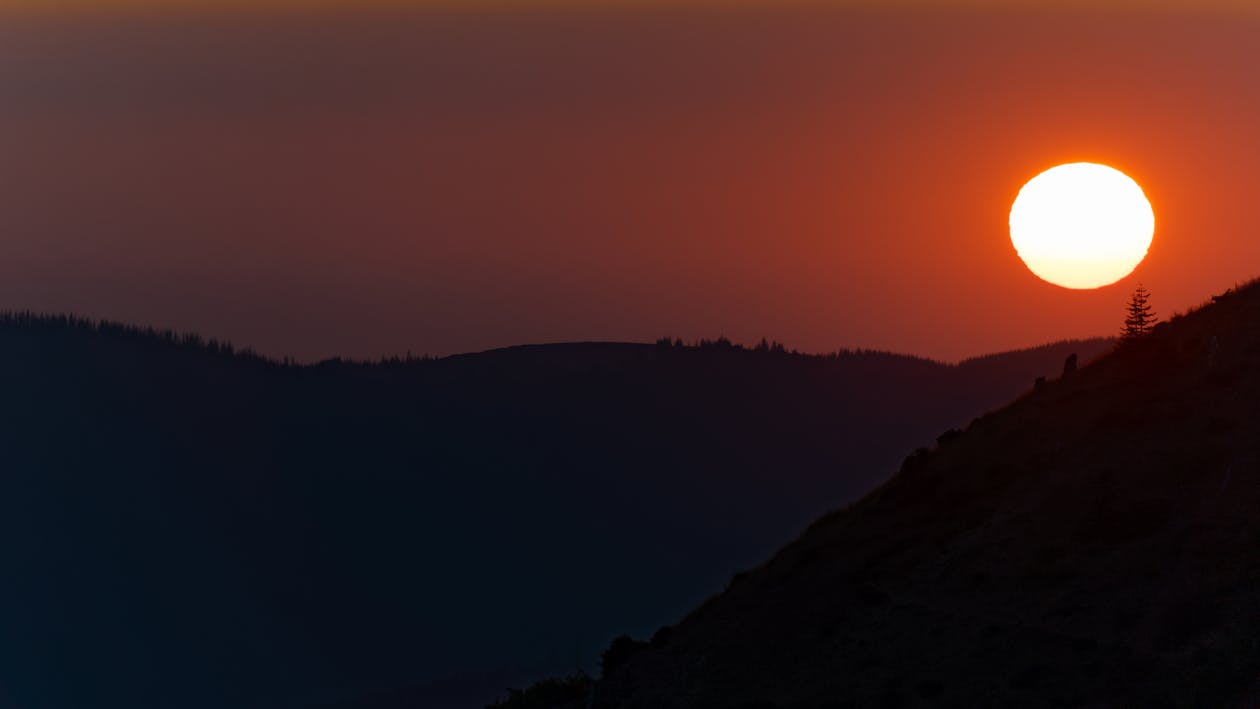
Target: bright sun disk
1082, 225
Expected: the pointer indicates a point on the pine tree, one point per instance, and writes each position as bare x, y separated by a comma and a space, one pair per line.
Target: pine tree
1140, 319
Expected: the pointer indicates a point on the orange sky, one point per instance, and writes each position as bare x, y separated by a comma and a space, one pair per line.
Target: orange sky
441, 183
1140, 5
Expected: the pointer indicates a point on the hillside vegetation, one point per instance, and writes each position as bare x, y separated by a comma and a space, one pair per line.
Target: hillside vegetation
1095, 543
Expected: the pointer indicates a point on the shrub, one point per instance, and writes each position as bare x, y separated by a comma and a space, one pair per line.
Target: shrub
548, 694
619, 651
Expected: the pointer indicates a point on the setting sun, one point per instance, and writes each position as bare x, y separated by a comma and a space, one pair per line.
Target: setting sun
1081, 225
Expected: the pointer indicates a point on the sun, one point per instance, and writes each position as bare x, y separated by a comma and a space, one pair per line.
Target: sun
1082, 225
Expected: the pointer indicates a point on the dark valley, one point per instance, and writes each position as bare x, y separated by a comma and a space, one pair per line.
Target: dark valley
190, 526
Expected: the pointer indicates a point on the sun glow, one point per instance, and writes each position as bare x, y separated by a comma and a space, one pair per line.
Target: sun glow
1082, 225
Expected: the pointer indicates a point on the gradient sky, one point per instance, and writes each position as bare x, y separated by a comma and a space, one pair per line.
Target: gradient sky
314, 183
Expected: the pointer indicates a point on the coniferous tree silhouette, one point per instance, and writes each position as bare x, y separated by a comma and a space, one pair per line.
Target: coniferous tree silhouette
1140, 319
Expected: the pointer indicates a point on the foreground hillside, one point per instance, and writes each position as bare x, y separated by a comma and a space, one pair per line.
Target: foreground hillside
1096, 543
187, 526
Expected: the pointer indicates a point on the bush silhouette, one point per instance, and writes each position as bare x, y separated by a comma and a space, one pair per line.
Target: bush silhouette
548, 694
619, 651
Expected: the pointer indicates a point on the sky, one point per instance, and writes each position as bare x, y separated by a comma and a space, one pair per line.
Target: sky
313, 183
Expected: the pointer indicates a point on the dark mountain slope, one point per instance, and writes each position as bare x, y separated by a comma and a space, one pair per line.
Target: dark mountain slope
181, 525
1096, 543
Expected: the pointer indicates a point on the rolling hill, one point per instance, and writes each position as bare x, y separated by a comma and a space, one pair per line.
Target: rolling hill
1095, 543
187, 525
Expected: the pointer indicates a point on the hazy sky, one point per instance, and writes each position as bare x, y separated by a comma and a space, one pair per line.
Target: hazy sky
362, 183
167, 7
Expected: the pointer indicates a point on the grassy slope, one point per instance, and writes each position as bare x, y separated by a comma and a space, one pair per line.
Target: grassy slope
1095, 543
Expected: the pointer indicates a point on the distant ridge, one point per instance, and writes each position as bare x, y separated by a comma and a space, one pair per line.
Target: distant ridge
69, 324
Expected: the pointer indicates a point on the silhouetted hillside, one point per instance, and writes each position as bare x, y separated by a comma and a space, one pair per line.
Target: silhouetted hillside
1096, 543
186, 525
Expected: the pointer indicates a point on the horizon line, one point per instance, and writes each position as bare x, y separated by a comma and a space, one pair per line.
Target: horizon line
191, 338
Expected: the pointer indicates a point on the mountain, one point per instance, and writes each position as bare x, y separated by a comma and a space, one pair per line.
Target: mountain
1095, 543
187, 525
